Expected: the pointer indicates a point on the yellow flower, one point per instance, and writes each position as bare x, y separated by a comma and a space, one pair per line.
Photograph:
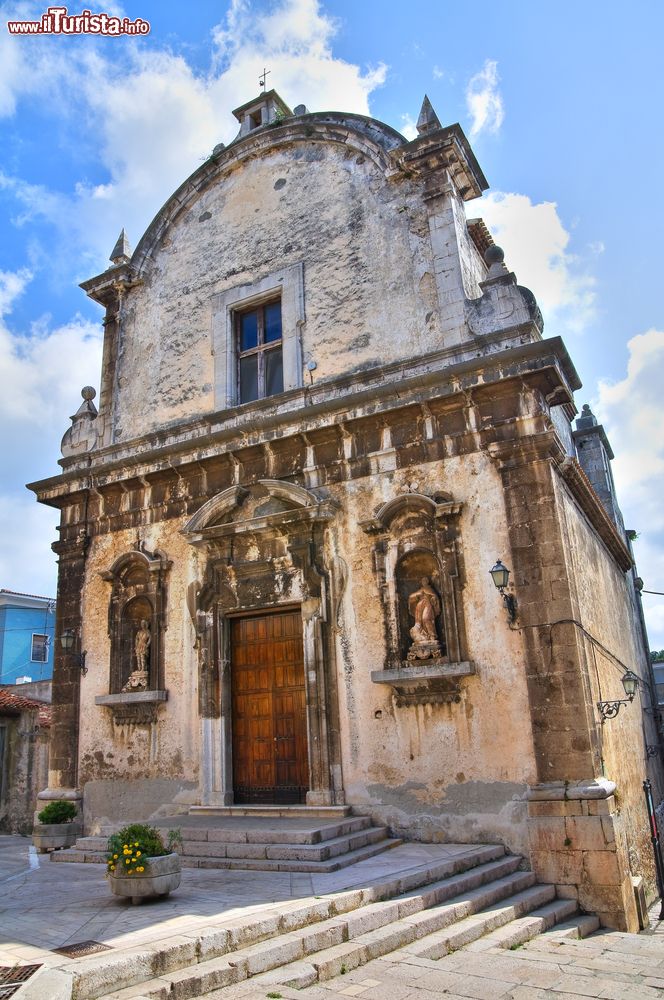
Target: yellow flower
135, 843
112, 868
127, 861
141, 869
138, 854
125, 846
115, 857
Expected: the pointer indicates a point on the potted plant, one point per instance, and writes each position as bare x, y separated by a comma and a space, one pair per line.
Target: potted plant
139, 865
56, 828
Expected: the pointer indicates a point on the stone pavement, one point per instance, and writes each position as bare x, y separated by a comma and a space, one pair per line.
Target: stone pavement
44, 906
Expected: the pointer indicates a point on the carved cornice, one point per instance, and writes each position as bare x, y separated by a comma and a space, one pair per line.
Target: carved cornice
440, 375
593, 508
517, 451
444, 151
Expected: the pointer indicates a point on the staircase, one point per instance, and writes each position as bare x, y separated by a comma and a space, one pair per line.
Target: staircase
262, 838
476, 900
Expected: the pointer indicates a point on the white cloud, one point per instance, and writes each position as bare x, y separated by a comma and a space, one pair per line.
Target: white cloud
438, 73
147, 119
484, 101
41, 372
632, 412
154, 119
408, 127
536, 245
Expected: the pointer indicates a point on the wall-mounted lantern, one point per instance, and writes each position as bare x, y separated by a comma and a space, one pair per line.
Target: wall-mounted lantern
69, 641
500, 576
609, 709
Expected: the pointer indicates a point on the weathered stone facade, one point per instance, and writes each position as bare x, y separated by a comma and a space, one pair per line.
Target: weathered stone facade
424, 429
25, 718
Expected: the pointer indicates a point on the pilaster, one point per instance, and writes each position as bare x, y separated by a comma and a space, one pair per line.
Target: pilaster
63, 750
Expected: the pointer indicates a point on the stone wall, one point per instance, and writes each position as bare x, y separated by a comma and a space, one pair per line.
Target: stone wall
25, 770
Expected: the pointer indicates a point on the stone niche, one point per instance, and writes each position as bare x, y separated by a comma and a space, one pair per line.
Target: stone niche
418, 566
136, 623
264, 548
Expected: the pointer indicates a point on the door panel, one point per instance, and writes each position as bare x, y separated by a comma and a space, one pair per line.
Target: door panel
270, 754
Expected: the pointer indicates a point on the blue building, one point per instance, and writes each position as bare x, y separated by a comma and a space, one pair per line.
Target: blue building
27, 627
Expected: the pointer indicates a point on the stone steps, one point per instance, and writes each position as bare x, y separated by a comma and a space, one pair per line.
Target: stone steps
285, 811
429, 912
261, 843
96, 976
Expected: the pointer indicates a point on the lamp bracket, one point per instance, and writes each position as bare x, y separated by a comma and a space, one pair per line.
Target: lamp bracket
609, 709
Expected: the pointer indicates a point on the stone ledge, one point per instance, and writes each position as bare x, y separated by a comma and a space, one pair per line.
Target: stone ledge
131, 698
593, 788
137, 708
425, 683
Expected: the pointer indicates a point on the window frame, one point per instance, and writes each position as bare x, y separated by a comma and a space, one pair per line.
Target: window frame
45, 637
286, 284
262, 349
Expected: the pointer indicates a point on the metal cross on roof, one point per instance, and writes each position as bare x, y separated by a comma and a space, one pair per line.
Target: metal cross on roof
261, 79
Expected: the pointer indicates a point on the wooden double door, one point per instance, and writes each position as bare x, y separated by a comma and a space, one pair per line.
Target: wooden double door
269, 726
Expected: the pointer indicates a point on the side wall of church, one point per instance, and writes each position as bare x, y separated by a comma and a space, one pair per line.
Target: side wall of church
605, 608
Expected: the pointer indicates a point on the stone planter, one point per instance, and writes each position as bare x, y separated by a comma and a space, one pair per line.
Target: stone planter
162, 877
53, 836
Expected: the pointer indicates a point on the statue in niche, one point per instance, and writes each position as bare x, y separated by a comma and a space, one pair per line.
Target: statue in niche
139, 678
424, 607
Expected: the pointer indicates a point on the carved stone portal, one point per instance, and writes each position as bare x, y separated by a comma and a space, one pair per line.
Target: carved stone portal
264, 547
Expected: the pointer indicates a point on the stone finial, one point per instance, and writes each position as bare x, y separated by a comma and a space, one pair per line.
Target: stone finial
82, 435
494, 257
428, 120
587, 418
121, 252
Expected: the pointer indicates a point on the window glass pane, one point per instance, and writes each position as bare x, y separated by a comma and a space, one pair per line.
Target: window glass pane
274, 373
39, 648
248, 331
273, 322
248, 378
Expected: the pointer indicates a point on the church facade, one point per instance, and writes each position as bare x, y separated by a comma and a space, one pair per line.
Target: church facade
327, 410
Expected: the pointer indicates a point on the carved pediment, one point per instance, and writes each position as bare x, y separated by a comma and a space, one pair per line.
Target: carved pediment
411, 510
267, 504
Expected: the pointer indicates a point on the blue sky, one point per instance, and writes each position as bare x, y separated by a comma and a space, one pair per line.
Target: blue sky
562, 104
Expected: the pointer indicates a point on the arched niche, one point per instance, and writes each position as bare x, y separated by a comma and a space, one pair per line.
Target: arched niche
414, 567
417, 536
138, 594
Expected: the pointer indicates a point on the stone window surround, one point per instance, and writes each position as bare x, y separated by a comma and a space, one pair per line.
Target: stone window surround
287, 284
